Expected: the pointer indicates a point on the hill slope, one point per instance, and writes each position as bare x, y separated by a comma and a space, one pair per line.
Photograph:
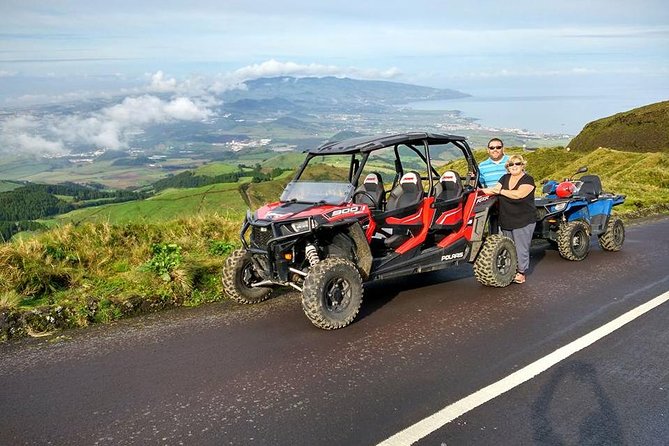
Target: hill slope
643, 129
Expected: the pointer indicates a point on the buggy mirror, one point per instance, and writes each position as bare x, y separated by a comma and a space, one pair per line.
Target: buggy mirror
582, 169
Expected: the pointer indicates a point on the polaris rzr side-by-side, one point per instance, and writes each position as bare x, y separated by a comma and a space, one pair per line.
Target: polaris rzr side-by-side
366, 209
572, 211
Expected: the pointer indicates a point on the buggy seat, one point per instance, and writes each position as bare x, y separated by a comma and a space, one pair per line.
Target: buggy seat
448, 203
373, 185
403, 210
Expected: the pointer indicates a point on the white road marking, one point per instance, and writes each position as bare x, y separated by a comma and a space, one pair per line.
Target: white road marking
449, 413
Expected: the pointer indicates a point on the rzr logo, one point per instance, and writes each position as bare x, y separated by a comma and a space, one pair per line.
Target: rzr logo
457, 255
351, 210
482, 199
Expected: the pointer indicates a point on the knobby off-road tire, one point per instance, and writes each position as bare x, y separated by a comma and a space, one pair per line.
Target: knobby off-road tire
613, 238
332, 293
573, 240
497, 261
238, 275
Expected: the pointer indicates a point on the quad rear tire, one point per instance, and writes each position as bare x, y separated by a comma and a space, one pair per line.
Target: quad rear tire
613, 238
332, 293
238, 275
573, 240
497, 261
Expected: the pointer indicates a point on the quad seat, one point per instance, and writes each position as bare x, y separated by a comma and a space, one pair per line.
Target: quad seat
591, 187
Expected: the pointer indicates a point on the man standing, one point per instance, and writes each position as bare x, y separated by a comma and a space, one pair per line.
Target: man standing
492, 169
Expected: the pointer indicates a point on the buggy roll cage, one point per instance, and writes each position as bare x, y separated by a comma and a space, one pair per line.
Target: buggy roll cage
364, 146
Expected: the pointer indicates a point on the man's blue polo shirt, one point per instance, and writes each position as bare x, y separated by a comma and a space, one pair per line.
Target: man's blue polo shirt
491, 171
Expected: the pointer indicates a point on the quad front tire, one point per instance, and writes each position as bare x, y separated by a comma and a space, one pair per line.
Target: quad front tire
238, 275
573, 240
497, 261
332, 293
613, 238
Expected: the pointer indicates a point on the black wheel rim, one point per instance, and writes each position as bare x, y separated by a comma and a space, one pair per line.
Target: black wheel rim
618, 233
579, 243
337, 295
248, 276
503, 261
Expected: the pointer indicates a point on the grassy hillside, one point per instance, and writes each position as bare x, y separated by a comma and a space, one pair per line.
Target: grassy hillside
643, 129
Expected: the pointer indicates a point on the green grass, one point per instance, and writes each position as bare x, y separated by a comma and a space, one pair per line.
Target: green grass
643, 129
6, 186
214, 169
222, 198
72, 276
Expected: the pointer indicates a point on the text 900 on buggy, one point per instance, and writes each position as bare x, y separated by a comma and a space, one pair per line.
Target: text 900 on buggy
337, 226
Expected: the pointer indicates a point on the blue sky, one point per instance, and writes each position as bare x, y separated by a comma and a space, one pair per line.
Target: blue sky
53, 50
99, 45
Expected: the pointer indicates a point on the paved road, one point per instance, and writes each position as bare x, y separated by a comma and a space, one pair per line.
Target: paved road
229, 374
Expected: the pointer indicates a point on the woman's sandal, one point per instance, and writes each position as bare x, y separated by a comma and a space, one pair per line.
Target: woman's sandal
520, 278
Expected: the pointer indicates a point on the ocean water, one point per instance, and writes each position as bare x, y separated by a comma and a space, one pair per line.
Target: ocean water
541, 114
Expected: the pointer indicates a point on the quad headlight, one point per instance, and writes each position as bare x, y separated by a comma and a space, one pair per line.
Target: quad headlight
559, 207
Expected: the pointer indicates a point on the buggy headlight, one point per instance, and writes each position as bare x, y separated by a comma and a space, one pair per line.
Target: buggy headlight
300, 226
559, 207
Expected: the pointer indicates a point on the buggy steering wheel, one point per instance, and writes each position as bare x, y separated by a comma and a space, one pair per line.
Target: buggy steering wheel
366, 194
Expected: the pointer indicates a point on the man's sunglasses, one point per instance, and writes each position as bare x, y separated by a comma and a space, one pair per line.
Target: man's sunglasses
495, 147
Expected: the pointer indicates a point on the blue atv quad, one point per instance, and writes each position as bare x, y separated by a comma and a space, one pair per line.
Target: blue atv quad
571, 211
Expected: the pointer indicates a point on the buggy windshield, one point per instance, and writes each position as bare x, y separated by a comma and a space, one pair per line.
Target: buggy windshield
317, 192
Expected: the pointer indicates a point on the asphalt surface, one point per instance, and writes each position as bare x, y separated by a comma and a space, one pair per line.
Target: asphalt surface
231, 374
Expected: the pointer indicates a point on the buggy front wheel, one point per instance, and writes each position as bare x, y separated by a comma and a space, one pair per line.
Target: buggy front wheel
239, 275
332, 293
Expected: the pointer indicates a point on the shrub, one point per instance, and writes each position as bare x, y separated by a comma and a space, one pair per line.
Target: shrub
166, 257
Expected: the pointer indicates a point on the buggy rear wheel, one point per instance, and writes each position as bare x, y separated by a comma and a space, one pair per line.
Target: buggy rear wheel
239, 274
332, 293
497, 262
573, 240
613, 238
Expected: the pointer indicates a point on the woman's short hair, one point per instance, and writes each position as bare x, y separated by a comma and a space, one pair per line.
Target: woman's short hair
515, 159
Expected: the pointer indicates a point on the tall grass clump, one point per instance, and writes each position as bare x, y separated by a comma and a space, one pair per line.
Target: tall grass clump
72, 276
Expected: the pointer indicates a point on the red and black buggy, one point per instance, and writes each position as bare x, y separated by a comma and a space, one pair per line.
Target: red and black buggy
366, 209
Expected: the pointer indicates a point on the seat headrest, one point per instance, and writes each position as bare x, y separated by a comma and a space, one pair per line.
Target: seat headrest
409, 178
449, 177
372, 178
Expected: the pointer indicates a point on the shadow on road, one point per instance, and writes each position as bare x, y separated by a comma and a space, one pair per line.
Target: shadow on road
592, 418
381, 292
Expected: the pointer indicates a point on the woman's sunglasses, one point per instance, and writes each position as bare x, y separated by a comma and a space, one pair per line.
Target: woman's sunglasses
518, 163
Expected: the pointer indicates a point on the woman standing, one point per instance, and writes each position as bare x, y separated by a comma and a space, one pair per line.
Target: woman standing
517, 212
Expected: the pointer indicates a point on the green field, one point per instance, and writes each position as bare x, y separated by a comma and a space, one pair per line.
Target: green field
6, 186
221, 199
214, 169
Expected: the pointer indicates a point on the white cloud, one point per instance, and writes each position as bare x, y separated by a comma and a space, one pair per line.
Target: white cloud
160, 84
111, 127
19, 134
